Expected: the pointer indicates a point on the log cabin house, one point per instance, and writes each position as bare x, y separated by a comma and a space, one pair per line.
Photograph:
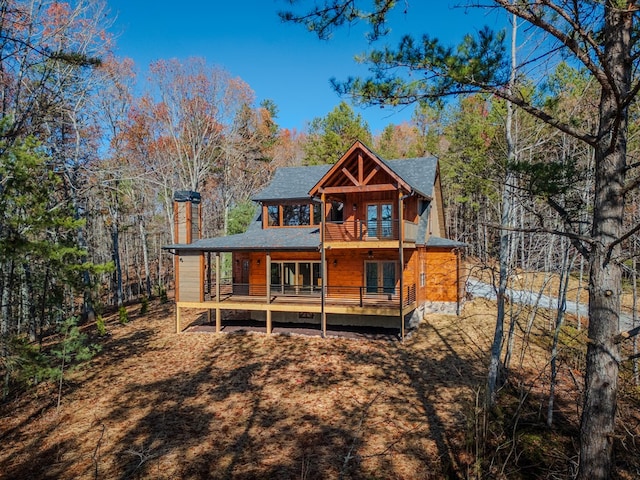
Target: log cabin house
360, 242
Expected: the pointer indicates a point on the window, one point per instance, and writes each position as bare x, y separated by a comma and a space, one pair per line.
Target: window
380, 220
295, 215
337, 212
273, 213
317, 213
380, 277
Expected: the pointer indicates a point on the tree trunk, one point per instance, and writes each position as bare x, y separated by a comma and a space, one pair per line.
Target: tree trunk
634, 310
565, 272
605, 279
145, 257
506, 222
117, 274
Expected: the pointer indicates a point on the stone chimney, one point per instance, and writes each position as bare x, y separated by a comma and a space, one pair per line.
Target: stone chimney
187, 215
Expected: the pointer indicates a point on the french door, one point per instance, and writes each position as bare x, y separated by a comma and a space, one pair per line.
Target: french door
380, 220
380, 277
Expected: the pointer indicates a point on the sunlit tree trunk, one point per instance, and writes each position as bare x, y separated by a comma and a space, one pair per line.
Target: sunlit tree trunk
506, 234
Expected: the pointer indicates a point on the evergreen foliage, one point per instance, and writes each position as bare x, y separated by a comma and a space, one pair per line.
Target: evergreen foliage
144, 306
241, 217
38, 245
123, 315
101, 326
331, 136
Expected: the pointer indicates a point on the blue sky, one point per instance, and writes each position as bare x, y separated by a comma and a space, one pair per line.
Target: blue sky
279, 61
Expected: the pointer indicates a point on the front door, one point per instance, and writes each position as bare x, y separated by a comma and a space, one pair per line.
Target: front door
241, 286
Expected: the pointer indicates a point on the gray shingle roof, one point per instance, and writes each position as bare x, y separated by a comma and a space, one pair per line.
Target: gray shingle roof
295, 238
420, 173
292, 183
444, 242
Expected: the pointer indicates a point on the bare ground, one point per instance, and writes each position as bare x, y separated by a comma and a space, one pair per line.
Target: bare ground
156, 404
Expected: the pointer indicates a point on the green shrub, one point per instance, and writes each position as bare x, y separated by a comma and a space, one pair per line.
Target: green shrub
123, 315
23, 366
101, 326
163, 295
144, 308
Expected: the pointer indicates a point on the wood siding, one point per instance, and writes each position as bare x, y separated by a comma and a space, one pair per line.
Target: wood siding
180, 218
195, 222
191, 276
187, 222
442, 267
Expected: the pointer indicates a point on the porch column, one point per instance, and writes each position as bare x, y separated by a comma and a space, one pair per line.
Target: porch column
323, 266
268, 282
401, 257
218, 316
217, 277
268, 277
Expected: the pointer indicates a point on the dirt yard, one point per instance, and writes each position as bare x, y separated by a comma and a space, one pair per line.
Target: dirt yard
156, 404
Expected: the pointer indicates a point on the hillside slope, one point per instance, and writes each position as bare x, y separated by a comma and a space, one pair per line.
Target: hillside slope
156, 404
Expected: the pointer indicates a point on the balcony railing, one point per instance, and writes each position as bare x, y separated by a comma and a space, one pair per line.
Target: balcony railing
361, 230
335, 294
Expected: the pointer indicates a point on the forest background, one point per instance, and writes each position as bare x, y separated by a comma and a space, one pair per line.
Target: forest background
89, 164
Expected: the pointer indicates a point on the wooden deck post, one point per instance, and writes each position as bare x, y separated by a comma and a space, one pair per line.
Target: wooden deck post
218, 277
401, 258
177, 319
323, 266
269, 323
268, 281
218, 315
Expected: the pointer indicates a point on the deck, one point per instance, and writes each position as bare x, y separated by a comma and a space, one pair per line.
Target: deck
339, 301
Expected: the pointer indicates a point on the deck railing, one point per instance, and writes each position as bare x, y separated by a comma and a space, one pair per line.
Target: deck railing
361, 230
336, 294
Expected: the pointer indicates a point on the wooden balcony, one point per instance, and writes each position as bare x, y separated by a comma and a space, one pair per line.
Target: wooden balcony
352, 231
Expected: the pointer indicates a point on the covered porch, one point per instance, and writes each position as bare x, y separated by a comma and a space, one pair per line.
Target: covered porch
305, 301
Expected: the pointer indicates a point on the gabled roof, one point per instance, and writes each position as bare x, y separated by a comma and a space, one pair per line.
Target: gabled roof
339, 170
298, 183
444, 242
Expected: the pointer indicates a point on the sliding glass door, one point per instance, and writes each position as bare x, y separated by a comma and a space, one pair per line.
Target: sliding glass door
295, 277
